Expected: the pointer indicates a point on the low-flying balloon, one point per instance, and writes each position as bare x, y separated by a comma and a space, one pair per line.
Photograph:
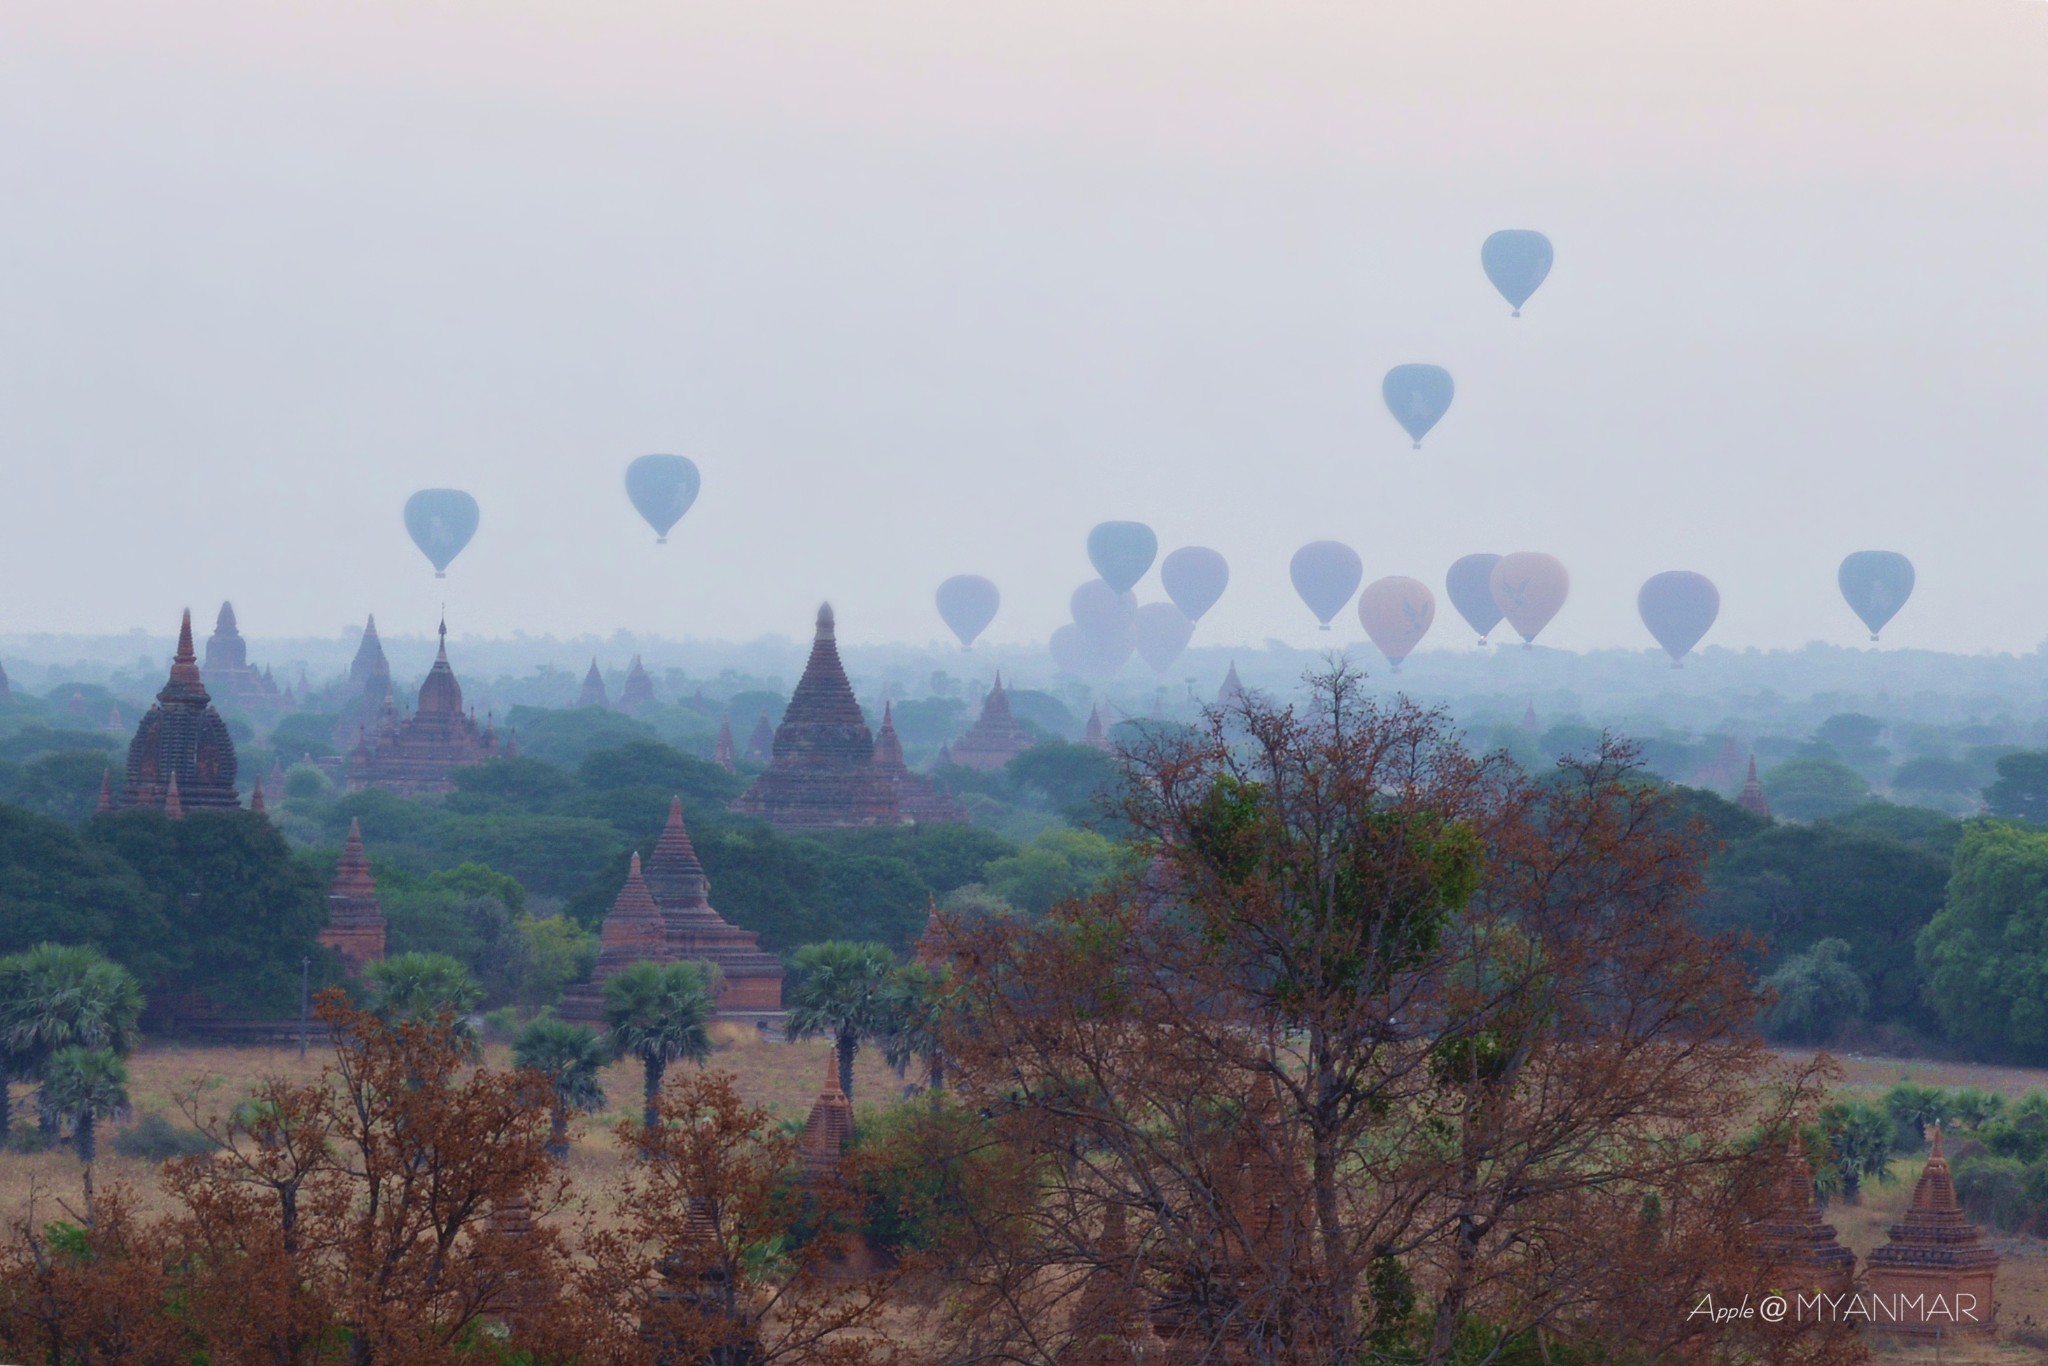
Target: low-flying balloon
1876, 584
1163, 631
968, 603
1516, 260
1529, 588
661, 488
1195, 577
1121, 552
1396, 613
1102, 612
1326, 574
1070, 651
1679, 607
440, 522
1418, 396
1470, 585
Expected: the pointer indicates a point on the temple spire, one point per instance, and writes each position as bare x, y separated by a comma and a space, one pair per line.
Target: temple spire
174, 810
256, 798
1752, 798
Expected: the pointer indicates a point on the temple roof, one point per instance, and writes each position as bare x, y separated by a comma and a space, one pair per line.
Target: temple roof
829, 1127
441, 694
594, 693
369, 670
1752, 798
181, 744
673, 871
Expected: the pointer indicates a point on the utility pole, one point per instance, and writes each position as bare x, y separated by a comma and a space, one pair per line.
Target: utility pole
305, 1000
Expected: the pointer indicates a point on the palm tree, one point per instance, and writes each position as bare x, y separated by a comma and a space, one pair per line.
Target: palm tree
839, 993
422, 988
84, 1086
56, 996
656, 1012
914, 1002
570, 1056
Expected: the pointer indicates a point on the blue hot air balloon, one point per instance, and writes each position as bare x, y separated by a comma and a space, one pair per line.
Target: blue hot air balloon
662, 488
1470, 585
1418, 396
968, 602
1516, 260
1678, 606
1195, 577
440, 522
1121, 552
1161, 631
1876, 584
1326, 574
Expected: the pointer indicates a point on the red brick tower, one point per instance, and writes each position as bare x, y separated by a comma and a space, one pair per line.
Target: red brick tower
1752, 799
722, 752
761, 744
1934, 1278
182, 743
355, 918
750, 980
916, 798
594, 693
1095, 735
995, 738
1796, 1245
421, 753
638, 694
633, 932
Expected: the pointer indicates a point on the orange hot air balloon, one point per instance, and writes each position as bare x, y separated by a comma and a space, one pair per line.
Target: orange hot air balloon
1529, 587
1396, 613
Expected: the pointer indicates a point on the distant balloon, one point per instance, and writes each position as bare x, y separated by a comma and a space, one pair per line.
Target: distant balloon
968, 602
1101, 612
1679, 607
1516, 260
662, 488
1163, 631
1121, 552
1529, 588
1195, 577
1470, 584
1396, 613
1418, 396
1876, 584
1326, 574
440, 522
1070, 651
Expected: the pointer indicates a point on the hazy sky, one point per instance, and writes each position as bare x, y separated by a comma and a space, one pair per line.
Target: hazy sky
932, 288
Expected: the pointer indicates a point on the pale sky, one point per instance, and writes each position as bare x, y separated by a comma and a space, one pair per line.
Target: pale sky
932, 288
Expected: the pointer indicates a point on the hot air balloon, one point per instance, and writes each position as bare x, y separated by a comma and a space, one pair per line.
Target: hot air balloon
1516, 260
1163, 631
1121, 552
1396, 613
440, 522
1102, 613
1418, 396
662, 487
968, 603
1529, 588
1876, 584
1195, 577
1326, 574
1070, 651
1470, 584
1679, 607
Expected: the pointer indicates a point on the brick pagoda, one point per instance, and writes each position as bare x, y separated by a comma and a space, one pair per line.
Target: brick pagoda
594, 693
722, 751
182, 757
750, 980
995, 738
761, 744
1094, 735
355, 918
1934, 1278
1796, 1245
1752, 798
633, 932
420, 754
916, 798
227, 670
638, 693
367, 689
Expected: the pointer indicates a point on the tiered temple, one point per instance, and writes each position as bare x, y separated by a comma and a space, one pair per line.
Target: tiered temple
1231, 694
722, 752
1094, 735
749, 980
355, 918
995, 738
227, 670
1796, 1246
916, 798
594, 693
638, 694
761, 744
367, 689
182, 756
1934, 1277
419, 754
1752, 798
633, 932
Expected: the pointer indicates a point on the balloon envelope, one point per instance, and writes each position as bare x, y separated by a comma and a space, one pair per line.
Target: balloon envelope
1876, 584
1470, 584
1528, 588
1516, 260
440, 522
1679, 607
1396, 613
968, 603
1418, 396
1326, 574
1074, 652
1162, 631
662, 487
1102, 613
1121, 552
1195, 577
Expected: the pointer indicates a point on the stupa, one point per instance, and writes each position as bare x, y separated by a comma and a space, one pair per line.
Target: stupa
369, 684
1752, 798
633, 932
355, 918
761, 744
1796, 1245
1231, 694
995, 738
420, 754
828, 1129
182, 752
750, 980
227, 670
594, 693
1094, 735
638, 694
722, 752
916, 798
822, 775
1934, 1278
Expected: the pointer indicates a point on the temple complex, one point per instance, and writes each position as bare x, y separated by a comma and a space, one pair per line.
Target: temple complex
638, 694
722, 752
633, 932
227, 670
750, 980
916, 798
355, 918
1094, 735
1752, 798
995, 738
420, 753
1934, 1278
1796, 1246
594, 693
761, 744
182, 756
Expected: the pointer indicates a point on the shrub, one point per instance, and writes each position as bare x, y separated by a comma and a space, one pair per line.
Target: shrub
23, 1139
1993, 1192
155, 1139
501, 1024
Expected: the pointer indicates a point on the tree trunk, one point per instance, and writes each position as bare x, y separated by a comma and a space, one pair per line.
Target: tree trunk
849, 1044
935, 1070
87, 1150
651, 1115
558, 1132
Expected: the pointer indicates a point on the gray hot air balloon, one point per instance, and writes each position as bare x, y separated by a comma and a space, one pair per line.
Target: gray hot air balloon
1876, 584
441, 521
1162, 632
1195, 577
1679, 607
968, 603
1121, 552
1326, 574
662, 488
1418, 396
1470, 585
1516, 260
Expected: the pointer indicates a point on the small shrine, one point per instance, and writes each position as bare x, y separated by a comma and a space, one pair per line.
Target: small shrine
995, 738
1797, 1247
355, 918
633, 932
1934, 1278
1752, 798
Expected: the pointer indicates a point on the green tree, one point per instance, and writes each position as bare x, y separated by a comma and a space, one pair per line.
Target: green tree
839, 994
1859, 1135
57, 884
1914, 1109
914, 1004
64, 786
657, 1012
558, 951
1057, 866
1813, 788
1985, 953
564, 736
82, 1086
1817, 993
2021, 790
511, 787
422, 987
59, 996
571, 1057
1071, 779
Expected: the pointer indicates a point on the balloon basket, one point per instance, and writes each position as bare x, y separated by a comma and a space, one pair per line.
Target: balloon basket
442, 574
661, 540
1873, 637
1326, 626
1416, 447
1516, 314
